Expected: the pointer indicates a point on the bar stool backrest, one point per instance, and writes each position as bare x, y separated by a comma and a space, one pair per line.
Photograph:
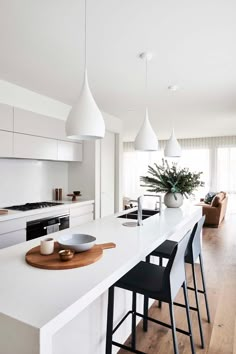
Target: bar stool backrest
194, 246
174, 274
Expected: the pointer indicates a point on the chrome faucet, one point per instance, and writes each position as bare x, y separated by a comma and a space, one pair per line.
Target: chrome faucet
158, 201
140, 209
140, 206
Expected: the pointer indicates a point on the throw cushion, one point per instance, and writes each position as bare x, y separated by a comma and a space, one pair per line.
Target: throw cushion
209, 197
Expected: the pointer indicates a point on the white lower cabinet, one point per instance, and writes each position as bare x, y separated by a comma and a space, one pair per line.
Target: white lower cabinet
81, 215
12, 238
6, 144
12, 232
34, 147
79, 220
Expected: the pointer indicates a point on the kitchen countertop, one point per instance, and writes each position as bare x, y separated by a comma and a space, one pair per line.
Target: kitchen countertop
47, 300
15, 214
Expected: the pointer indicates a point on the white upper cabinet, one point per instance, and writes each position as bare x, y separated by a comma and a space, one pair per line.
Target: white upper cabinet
68, 151
28, 135
34, 147
6, 144
31, 123
6, 117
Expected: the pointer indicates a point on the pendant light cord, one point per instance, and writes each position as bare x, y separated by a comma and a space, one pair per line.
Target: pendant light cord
85, 36
146, 81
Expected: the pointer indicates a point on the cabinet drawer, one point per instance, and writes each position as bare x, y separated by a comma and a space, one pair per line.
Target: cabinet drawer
12, 238
68, 151
79, 220
12, 225
34, 147
82, 210
6, 144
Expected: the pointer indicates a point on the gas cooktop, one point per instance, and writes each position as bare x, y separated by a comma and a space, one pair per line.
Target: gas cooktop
31, 206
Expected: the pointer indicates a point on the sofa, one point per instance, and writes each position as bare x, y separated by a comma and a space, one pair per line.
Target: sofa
215, 211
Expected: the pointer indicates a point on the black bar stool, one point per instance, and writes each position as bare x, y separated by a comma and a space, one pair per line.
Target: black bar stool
156, 282
192, 253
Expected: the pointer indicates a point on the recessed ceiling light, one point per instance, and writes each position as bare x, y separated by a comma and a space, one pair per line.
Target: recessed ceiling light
173, 87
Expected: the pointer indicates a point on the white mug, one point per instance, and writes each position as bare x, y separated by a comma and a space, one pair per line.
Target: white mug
47, 246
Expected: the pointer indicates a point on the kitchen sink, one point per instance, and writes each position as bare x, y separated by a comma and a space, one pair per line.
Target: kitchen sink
134, 214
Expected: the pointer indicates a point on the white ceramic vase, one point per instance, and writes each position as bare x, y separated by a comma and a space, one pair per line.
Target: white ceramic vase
171, 202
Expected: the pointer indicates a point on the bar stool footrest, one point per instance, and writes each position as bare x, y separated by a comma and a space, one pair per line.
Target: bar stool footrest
182, 305
152, 320
122, 346
198, 290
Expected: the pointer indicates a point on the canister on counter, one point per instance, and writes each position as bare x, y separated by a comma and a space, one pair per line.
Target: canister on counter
60, 193
56, 194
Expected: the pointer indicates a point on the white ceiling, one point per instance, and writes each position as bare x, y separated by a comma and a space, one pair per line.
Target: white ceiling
193, 42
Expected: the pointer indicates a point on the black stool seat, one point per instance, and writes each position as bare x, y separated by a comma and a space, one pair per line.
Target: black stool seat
140, 279
165, 249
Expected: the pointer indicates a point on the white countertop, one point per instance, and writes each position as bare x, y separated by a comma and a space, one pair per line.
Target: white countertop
48, 299
67, 204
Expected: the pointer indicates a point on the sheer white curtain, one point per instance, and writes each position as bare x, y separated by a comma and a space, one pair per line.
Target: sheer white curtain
135, 164
215, 157
226, 174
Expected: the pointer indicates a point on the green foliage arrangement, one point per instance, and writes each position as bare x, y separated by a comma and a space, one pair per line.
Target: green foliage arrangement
165, 178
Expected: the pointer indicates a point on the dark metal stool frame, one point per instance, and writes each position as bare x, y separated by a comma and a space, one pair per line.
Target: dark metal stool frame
192, 253
159, 283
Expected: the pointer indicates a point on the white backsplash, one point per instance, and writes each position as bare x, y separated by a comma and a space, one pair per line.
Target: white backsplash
23, 181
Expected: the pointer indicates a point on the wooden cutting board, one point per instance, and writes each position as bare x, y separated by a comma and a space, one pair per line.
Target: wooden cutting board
53, 262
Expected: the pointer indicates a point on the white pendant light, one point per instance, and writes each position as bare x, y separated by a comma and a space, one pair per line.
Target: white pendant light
85, 121
146, 139
173, 148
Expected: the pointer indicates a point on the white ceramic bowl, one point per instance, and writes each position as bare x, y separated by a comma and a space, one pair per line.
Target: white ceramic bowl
77, 242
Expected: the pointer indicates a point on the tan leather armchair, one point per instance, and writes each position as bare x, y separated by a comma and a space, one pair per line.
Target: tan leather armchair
215, 212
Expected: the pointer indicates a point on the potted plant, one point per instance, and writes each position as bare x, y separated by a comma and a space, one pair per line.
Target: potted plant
172, 180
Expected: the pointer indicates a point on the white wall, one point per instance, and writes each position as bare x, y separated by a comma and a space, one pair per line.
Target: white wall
23, 181
82, 175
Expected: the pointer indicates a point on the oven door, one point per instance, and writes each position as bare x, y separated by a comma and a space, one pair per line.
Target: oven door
41, 227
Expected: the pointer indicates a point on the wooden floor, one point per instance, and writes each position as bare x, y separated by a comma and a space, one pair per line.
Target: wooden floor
219, 253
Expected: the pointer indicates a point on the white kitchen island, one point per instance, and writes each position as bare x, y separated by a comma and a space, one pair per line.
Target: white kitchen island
64, 311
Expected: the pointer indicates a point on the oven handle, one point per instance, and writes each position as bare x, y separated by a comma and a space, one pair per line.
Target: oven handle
46, 227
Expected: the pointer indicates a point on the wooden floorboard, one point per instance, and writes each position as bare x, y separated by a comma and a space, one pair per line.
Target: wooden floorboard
219, 252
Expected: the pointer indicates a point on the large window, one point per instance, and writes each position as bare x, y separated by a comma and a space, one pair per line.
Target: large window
136, 165
215, 157
226, 174
198, 160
